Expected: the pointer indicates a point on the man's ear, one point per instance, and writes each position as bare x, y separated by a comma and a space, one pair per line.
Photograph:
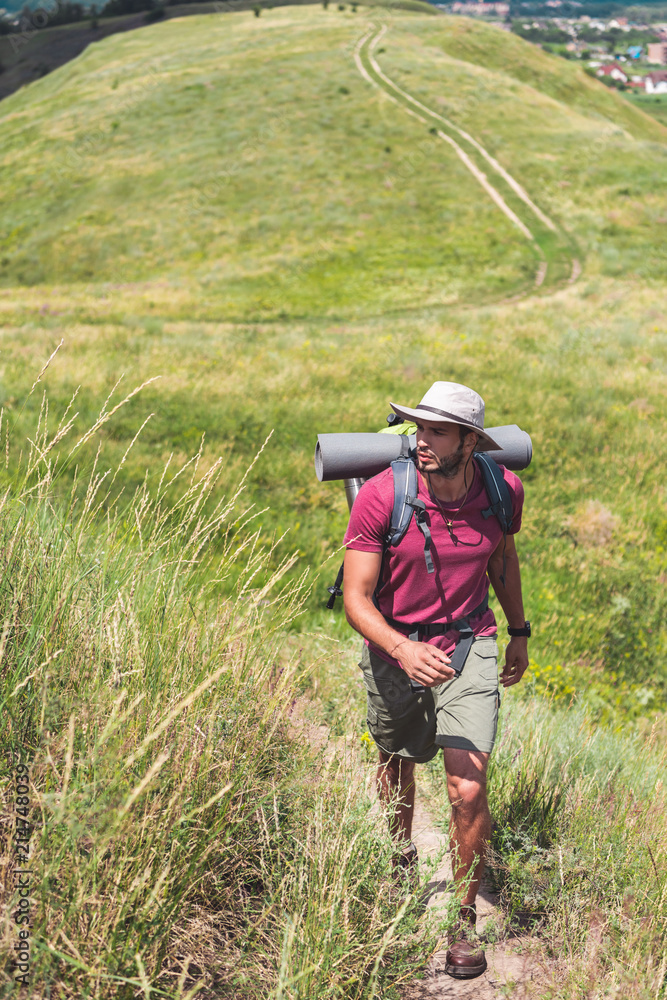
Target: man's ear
470, 442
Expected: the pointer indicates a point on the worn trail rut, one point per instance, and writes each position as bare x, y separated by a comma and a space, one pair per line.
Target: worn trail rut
511, 965
511, 960
365, 50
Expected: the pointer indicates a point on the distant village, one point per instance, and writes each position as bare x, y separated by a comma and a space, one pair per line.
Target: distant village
621, 52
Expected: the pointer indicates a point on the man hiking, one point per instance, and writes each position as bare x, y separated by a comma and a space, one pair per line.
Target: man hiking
430, 657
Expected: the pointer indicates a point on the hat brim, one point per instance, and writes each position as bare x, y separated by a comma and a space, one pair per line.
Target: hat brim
485, 443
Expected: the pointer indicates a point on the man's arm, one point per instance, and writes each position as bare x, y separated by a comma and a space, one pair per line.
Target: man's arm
421, 661
511, 601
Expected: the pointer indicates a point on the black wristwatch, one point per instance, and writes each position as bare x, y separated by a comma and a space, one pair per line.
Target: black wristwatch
520, 631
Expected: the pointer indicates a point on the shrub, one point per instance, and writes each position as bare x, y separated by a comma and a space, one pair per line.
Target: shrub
157, 14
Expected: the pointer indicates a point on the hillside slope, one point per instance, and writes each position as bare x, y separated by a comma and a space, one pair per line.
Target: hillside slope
230, 204
583, 152
242, 154
246, 156
483, 45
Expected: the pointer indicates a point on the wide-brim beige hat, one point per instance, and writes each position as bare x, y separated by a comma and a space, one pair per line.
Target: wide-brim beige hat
452, 403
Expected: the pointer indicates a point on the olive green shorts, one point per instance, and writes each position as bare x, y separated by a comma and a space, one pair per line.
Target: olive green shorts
461, 713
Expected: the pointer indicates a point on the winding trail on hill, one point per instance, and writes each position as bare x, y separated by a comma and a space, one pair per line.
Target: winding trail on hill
474, 170
365, 49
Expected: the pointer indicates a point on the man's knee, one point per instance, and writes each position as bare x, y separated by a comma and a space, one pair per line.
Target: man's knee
466, 795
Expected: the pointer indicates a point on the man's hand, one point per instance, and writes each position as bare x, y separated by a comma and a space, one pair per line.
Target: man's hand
423, 663
516, 660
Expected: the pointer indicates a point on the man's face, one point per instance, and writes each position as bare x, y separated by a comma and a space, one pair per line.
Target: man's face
440, 451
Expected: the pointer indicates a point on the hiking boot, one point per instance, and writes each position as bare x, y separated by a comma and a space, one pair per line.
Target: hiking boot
406, 868
465, 958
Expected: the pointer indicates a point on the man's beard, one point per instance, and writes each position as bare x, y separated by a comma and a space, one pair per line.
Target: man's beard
449, 467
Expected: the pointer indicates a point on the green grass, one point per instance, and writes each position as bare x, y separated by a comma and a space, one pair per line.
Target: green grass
578, 850
226, 203
588, 380
569, 140
272, 191
182, 844
225, 288
651, 104
36, 50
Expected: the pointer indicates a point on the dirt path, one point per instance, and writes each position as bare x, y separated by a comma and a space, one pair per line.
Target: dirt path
365, 49
491, 160
474, 170
510, 964
510, 956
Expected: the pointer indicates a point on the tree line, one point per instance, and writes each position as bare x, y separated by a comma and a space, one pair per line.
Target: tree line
57, 12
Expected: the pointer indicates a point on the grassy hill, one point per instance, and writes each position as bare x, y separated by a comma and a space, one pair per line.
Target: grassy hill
229, 203
38, 49
271, 185
227, 197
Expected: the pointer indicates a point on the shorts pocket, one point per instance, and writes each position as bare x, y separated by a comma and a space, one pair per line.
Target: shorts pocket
485, 653
399, 720
391, 702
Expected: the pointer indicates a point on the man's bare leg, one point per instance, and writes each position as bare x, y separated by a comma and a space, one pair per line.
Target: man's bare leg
470, 830
396, 789
470, 826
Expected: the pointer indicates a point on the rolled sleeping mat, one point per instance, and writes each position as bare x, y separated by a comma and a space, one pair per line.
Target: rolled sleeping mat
360, 456
516, 447
354, 456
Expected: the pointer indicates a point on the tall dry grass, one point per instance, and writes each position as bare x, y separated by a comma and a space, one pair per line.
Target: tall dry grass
186, 840
580, 850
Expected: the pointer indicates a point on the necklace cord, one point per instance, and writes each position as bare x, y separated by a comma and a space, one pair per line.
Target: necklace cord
449, 520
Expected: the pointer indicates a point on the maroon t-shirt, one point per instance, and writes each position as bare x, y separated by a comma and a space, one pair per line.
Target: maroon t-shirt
406, 591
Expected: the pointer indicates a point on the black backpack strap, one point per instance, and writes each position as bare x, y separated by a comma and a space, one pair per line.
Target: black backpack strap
497, 491
405, 486
499, 495
337, 589
406, 503
421, 517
